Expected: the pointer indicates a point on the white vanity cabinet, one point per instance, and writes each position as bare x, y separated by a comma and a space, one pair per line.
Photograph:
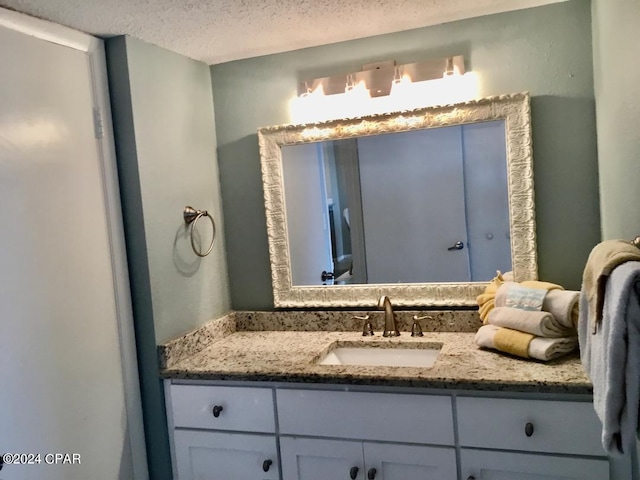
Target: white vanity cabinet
496, 465
223, 433
293, 432
321, 459
418, 423
202, 455
493, 433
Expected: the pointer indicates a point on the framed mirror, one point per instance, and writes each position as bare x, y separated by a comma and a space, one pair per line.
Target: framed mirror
423, 206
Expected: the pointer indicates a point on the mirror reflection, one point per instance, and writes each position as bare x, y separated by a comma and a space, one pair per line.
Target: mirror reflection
418, 206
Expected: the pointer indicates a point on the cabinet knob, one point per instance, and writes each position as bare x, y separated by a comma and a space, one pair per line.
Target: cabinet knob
371, 474
217, 409
266, 465
353, 473
528, 429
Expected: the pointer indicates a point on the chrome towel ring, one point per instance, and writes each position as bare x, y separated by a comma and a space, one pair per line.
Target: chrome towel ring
191, 216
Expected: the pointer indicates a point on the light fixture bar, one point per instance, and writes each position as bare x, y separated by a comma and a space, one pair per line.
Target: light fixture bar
378, 77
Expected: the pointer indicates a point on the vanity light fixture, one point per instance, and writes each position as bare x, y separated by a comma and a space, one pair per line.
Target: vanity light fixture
378, 78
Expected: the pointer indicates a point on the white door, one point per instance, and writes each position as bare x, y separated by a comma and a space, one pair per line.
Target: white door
204, 455
386, 461
413, 206
490, 465
308, 227
314, 459
487, 199
62, 382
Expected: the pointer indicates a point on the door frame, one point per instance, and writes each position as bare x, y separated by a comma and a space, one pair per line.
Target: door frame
94, 49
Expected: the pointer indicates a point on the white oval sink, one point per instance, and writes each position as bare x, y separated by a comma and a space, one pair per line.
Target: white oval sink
391, 355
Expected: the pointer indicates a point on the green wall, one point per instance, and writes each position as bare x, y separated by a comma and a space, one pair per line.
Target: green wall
617, 88
544, 50
166, 150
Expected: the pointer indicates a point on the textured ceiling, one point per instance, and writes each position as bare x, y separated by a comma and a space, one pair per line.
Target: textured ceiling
216, 31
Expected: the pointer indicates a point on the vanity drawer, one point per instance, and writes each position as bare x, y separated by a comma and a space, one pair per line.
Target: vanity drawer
366, 416
530, 425
223, 408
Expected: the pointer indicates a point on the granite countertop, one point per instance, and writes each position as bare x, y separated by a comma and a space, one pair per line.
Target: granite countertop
223, 351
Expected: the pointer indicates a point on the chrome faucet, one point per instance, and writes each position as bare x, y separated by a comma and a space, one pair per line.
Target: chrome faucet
390, 322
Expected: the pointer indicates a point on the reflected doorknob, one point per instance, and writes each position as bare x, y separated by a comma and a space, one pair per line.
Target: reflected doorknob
456, 246
324, 276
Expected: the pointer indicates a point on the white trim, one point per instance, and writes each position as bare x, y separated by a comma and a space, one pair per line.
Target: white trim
171, 425
94, 49
45, 30
119, 267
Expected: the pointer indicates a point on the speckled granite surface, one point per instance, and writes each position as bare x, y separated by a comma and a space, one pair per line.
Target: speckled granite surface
290, 356
195, 341
342, 321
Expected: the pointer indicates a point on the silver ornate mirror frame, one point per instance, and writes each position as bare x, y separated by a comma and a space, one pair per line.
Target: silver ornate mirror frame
514, 109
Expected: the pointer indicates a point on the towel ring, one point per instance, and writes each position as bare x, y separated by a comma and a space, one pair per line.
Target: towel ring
191, 216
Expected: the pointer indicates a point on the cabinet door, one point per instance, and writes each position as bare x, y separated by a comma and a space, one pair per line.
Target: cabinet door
225, 456
312, 459
490, 465
401, 462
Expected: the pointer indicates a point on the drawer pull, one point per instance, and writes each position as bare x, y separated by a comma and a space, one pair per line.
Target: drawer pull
353, 473
217, 409
471, 477
266, 465
528, 429
371, 474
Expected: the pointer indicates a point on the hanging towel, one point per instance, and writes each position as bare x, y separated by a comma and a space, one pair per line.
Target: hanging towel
541, 324
602, 260
491, 336
611, 357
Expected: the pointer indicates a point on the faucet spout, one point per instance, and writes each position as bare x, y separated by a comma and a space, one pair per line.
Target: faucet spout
390, 321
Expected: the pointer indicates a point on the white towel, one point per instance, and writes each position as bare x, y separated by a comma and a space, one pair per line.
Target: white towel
562, 304
541, 324
611, 357
550, 348
540, 348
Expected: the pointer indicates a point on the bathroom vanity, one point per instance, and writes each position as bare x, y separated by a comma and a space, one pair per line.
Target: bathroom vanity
256, 404
247, 395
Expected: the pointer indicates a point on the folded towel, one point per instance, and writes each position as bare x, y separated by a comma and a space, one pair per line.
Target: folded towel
486, 300
611, 357
541, 324
504, 339
550, 348
602, 260
562, 304
491, 336
524, 298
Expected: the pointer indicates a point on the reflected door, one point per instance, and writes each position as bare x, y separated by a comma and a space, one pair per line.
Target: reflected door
413, 206
307, 212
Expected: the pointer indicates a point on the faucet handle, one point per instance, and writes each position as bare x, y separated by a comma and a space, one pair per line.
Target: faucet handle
367, 328
416, 329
